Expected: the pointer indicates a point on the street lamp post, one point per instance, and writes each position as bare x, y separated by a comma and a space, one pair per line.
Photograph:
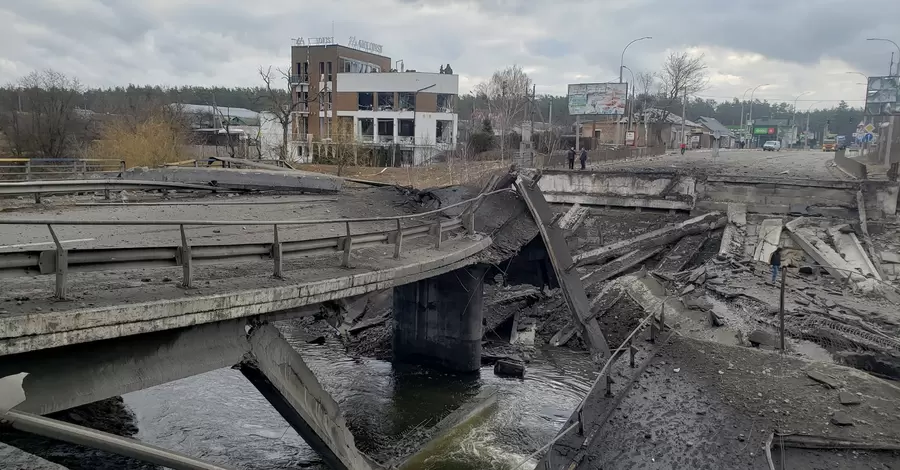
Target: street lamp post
622, 66
750, 119
895, 45
743, 129
795, 109
630, 103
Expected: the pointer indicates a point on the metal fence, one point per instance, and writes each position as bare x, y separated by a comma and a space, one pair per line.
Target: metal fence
29, 169
62, 261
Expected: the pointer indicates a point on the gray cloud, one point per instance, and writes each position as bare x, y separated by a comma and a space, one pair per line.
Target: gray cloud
172, 42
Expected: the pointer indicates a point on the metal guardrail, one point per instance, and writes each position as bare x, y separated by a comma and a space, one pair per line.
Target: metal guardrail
62, 261
39, 188
29, 169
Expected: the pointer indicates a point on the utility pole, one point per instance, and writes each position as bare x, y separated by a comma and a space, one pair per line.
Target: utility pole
683, 118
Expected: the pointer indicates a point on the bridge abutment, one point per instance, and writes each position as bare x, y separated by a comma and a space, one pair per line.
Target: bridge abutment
438, 321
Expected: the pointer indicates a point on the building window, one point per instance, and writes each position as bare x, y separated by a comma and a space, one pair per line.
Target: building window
444, 132
356, 66
406, 131
365, 101
444, 103
321, 70
367, 129
385, 130
407, 101
385, 101
329, 71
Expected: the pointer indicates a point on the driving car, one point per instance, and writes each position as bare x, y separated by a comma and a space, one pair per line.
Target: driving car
772, 145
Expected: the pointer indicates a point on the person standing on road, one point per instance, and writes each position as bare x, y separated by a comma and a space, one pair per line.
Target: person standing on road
683, 148
583, 157
775, 262
570, 157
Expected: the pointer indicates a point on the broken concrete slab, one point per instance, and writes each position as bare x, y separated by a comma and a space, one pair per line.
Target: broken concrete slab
737, 214
890, 257
508, 368
826, 257
619, 265
563, 264
574, 218
848, 399
663, 236
853, 252
681, 254
564, 335
761, 338
826, 380
247, 179
840, 418
769, 239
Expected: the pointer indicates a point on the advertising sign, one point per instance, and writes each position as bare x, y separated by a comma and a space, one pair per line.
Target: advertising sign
597, 98
763, 131
883, 96
629, 138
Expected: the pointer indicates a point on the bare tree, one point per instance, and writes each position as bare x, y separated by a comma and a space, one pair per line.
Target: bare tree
506, 95
682, 74
280, 102
43, 119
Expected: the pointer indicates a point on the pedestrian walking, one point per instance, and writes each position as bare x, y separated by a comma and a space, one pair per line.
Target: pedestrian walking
775, 262
583, 157
570, 157
683, 148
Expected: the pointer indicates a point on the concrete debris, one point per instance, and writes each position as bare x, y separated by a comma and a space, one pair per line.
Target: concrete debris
254, 179
366, 324
508, 368
889, 257
826, 257
853, 252
574, 218
847, 399
681, 254
564, 335
840, 418
619, 265
663, 236
761, 338
823, 379
737, 214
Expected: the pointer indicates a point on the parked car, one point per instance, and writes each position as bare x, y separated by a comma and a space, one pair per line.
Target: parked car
772, 146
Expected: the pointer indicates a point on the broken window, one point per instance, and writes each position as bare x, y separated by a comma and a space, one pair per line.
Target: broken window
407, 128
444, 103
444, 132
367, 129
385, 101
330, 77
365, 101
407, 101
385, 130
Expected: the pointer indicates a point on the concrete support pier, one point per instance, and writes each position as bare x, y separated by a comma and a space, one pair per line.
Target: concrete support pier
438, 321
280, 374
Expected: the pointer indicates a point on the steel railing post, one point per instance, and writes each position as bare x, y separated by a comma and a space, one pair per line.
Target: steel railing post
436, 230
277, 255
469, 222
348, 244
186, 262
62, 265
28, 170
122, 166
398, 241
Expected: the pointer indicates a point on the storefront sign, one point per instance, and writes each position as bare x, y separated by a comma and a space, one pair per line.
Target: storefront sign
320, 41
365, 45
763, 131
629, 138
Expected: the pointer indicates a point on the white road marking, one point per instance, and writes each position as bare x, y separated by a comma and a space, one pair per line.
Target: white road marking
24, 245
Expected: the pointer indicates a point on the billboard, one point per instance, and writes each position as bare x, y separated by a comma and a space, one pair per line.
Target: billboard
597, 98
765, 130
883, 96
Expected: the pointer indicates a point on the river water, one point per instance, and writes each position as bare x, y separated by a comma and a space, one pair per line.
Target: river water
220, 417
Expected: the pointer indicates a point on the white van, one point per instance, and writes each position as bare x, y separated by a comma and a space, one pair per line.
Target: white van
772, 145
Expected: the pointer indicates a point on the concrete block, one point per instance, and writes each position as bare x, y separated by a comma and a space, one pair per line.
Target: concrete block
509, 368
769, 239
890, 257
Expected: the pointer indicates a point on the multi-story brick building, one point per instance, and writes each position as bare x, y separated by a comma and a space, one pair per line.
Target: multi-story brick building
344, 93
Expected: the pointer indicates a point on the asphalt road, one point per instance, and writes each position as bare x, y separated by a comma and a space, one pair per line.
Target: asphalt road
810, 164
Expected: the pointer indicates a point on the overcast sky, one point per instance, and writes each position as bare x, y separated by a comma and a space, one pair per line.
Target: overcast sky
794, 45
